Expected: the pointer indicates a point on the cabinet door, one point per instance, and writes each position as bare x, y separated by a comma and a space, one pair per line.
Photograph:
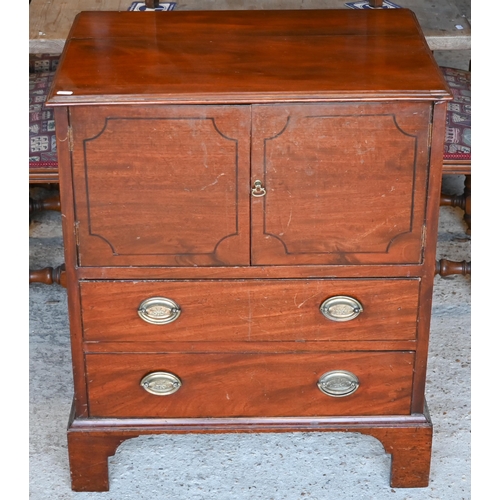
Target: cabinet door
161, 185
345, 183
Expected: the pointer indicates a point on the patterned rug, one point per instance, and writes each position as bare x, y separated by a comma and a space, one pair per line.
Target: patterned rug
42, 136
458, 118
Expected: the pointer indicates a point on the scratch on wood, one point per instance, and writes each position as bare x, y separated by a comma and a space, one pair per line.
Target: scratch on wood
288, 224
302, 303
213, 183
369, 231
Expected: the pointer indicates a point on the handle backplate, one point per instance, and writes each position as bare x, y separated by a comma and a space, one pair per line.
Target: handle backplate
161, 383
338, 383
341, 308
258, 190
159, 310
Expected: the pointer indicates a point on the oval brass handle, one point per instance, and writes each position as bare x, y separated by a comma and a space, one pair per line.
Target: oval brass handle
258, 189
341, 308
159, 310
338, 383
161, 383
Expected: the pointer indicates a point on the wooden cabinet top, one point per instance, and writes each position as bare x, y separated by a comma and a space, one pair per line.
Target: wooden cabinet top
246, 57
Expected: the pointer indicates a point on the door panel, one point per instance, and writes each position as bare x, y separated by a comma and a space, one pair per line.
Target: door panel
162, 185
345, 183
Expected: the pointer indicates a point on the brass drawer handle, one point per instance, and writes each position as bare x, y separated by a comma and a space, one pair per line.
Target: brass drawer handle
258, 189
338, 383
159, 310
341, 308
161, 383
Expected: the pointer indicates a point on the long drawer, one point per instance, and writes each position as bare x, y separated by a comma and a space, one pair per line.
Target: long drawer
249, 384
250, 310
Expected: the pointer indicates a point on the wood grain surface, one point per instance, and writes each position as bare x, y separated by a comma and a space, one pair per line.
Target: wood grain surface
249, 311
50, 20
245, 56
239, 385
164, 124
164, 185
346, 183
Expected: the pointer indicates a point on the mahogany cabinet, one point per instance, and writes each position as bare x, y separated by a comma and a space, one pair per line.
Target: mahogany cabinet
250, 204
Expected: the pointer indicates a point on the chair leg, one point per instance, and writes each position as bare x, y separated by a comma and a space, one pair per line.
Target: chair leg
49, 275
52, 203
462, 201
467, 195
449, 267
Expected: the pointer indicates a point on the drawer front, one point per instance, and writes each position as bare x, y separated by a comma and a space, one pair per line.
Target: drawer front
252, 310
249, 385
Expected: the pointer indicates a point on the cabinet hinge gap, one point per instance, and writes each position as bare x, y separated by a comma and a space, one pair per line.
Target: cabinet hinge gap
77, 233
70, 138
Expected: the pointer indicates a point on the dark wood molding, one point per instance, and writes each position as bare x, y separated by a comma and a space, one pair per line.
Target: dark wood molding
92, 442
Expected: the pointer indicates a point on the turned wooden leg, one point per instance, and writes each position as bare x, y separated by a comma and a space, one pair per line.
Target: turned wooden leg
462, 201
88, 458
449, 267
52, 203
411, 454
453, 200
49, 275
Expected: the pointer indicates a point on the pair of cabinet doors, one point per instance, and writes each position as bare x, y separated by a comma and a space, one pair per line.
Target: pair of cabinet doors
168, 185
